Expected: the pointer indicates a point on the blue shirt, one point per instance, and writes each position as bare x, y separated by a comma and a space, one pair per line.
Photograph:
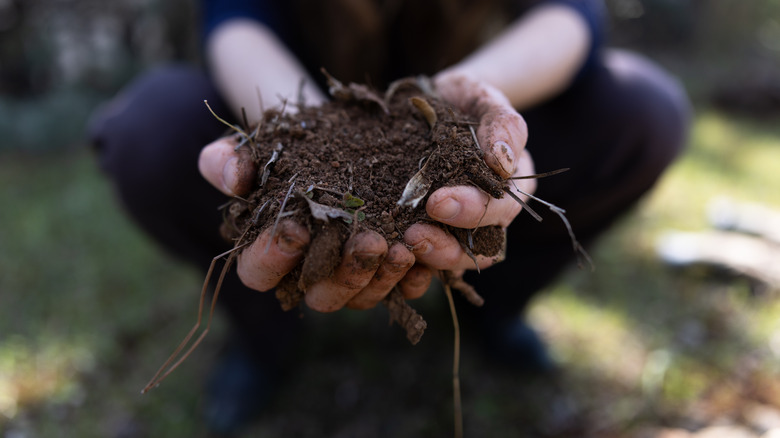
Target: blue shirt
279, 17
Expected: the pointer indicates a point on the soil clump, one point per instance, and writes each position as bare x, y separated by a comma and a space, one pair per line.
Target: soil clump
361, 161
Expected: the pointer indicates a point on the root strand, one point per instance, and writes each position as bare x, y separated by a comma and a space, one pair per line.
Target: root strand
404, 315
457, 404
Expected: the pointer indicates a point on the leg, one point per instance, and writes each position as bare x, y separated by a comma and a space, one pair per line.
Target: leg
617, 129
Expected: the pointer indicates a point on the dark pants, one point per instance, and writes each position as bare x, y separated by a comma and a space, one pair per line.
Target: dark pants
617, 129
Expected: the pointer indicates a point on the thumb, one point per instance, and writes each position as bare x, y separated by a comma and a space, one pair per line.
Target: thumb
232, 172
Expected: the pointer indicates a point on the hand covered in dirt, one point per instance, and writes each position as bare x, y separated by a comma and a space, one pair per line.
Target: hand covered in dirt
367, 273
502, 135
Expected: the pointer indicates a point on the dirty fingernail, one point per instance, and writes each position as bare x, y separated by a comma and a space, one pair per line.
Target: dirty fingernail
368, 261
505, 156
290, 245
230, 174
446, 209
422, 248
395, 267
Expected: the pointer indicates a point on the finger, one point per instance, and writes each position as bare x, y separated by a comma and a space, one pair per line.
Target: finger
363, 253
390, 272
230, 171
416, 282
438, 249
470, 207
502, 134
262, 265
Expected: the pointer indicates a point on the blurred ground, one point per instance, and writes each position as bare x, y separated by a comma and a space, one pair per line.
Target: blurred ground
89, 307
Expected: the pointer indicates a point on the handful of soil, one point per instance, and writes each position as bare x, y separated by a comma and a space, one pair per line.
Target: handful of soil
361, 161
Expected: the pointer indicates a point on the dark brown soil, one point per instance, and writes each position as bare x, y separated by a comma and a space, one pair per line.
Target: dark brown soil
342, 167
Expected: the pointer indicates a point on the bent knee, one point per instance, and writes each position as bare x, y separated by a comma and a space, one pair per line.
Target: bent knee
156, 123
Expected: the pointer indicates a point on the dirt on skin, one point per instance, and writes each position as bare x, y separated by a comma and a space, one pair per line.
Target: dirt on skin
343, 167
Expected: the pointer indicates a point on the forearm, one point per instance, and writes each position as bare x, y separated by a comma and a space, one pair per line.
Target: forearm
535, 58
252, 68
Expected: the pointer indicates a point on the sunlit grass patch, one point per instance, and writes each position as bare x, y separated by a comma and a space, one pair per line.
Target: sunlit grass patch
36, 372
726, 157
685, 340
589, 337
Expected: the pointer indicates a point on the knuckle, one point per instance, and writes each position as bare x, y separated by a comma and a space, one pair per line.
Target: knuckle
449, 256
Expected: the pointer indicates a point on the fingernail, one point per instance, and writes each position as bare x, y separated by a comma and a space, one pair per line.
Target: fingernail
367, 261
504, 155
290, 245
422, 248
230, 174
395, 267
446, 209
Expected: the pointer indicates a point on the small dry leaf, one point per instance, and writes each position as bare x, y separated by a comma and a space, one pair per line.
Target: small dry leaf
417, 187
353, 92
324, 212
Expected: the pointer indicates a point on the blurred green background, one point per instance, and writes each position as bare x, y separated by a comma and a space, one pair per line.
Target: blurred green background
89, 307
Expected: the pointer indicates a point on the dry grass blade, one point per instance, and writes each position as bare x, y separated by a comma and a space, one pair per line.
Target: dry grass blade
578, 248
525, 205
225, 122
258, 212
166, 367
281, 212
541, 175
467, 249
474, 136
